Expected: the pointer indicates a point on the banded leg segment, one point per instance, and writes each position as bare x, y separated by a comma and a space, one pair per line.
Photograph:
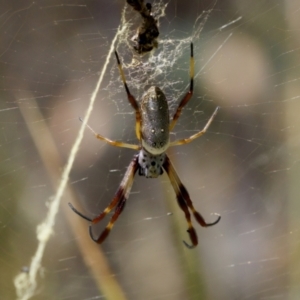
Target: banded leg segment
189, 94
185, 203
111, 142
131, 100
118, 201
120, 198
106, 231
198, 134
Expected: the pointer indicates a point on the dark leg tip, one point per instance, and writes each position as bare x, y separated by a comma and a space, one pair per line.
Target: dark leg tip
214, 223
188, 245
91, 234
79, 213
117, 56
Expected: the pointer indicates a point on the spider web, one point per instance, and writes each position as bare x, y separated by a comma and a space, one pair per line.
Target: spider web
57, 64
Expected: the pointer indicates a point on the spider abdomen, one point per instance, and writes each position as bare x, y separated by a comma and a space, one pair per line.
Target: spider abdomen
155, 121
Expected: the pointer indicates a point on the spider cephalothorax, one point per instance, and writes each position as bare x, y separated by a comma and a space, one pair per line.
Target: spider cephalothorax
152, 130
150, 166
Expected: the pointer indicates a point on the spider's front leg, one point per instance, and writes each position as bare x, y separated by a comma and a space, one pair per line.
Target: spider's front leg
185, 203
118, 201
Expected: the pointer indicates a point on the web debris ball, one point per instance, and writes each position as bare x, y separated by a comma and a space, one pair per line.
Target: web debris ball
152, 129
146, 37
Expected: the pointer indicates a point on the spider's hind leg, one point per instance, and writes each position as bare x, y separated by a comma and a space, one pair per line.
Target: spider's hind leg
189, 94
131, 100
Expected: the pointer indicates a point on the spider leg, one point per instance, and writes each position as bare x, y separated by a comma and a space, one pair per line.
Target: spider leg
185, 203
131, 100
189, 94
109, 141
118, 201
79, 213
106, 231
198, 134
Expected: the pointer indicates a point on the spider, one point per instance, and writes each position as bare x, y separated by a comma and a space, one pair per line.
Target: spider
147, 33
152, 129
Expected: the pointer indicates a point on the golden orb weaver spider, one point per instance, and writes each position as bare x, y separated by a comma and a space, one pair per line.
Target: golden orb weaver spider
152, 130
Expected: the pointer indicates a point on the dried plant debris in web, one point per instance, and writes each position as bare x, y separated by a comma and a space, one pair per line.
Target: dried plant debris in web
146, 36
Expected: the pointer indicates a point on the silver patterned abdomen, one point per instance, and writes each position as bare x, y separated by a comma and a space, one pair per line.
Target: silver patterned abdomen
155, 121
155, 132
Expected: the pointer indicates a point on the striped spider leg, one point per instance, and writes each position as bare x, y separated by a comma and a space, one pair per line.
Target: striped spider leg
152, 130
185, 203
118, 203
